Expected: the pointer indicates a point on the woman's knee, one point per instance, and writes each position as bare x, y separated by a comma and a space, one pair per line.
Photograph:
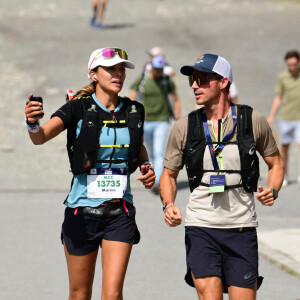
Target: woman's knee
111, 294
80, 294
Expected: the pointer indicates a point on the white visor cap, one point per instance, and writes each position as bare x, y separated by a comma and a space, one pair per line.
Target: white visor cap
96, 59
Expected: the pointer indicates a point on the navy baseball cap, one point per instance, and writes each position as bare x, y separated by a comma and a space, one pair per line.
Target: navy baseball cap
210, 63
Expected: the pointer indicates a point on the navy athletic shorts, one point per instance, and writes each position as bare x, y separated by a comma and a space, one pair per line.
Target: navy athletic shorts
82, 234
227, 253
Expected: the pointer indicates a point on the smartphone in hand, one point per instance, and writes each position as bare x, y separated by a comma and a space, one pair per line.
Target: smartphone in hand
38, 99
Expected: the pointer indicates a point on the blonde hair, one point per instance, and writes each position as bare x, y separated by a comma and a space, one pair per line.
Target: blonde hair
86, 91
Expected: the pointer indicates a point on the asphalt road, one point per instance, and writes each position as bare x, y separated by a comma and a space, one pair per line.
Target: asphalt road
45, 49
33, 264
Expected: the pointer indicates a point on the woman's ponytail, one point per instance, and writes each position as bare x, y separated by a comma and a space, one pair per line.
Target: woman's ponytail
86, 91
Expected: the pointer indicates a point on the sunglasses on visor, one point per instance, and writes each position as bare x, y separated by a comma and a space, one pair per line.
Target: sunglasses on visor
203, 78
109, 53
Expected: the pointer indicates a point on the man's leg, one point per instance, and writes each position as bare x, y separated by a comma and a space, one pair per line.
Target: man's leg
204, 262
159, 140
297, 135
238, 293
95, 9
298, 179
209, 288
148, 138
284, 154
286, 138
102, 10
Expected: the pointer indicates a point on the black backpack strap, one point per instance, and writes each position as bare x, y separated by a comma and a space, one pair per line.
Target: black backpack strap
86, 145
166, 84
135, 115
248, 157
195, 148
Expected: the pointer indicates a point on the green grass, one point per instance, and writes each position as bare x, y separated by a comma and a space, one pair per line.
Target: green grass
281, 266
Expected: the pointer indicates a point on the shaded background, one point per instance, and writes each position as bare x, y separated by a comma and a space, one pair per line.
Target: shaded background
45, 47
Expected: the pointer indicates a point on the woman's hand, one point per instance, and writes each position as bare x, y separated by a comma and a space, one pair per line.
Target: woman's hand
148, 176
33, 110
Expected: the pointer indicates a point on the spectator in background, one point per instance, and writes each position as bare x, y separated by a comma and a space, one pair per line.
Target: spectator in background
99, 7
154, 94
288, 96
157, 51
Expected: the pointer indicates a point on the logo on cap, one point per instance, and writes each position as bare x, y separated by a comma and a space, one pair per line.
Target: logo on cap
199, 60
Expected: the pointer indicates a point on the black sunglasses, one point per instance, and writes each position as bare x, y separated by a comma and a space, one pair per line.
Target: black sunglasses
203, 78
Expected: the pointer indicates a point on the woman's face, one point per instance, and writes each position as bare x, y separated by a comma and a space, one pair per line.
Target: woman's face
111, 79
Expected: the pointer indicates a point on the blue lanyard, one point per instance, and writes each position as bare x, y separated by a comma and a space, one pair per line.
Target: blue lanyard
215, 150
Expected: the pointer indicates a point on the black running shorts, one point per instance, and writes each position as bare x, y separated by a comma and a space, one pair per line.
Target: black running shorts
83, 234
228, 254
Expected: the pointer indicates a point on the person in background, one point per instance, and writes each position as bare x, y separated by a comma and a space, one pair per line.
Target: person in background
105, 145
99, 7
287, 97
154, 93
157, 51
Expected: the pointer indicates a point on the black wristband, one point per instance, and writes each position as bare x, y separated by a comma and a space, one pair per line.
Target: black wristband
149, 165
144, 162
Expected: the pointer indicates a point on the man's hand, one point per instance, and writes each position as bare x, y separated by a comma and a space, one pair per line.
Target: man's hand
173, 216
265, 196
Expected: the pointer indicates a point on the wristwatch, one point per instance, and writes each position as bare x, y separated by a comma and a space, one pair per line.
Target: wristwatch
274, 193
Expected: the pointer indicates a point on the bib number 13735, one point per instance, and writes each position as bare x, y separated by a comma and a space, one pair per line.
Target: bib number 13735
106, 183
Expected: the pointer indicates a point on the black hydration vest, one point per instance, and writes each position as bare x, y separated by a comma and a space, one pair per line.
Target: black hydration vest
83, 150
196, 144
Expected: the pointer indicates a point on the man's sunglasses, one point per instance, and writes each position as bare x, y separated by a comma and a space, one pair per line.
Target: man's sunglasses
109, 53
203, 78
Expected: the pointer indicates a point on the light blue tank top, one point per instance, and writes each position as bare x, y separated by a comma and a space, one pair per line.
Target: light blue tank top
78, 194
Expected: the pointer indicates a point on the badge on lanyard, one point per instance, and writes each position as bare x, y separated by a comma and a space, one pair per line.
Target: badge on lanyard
106, 183
217, 184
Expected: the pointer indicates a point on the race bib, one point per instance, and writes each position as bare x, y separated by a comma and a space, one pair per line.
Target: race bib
217, 184
106, 183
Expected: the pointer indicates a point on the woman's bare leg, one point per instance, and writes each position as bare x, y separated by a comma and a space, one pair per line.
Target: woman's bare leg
81, 269
115, 257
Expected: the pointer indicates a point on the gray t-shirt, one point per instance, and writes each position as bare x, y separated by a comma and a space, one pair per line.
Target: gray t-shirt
232, 208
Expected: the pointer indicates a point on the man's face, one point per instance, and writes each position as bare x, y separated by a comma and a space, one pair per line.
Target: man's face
157, 72
208, 93
293, 65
